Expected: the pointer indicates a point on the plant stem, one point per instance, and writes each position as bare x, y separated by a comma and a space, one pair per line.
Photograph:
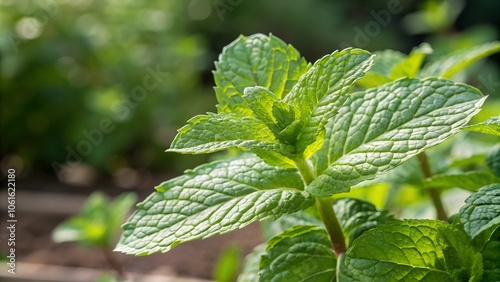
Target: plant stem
325, 208
434, 193
113, 263
305, 170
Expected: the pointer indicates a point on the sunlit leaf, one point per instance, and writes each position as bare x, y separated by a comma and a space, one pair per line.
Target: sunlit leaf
212, 199
379, 128
256, 60
491, 126
413, 250
323, 89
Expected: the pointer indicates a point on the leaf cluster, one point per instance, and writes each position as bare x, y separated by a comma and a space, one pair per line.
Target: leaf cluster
310, 131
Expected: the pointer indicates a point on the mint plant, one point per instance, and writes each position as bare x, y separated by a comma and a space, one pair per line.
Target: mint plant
98, 225
307, 136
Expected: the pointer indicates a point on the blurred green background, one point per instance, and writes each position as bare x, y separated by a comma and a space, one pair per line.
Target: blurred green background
85, 82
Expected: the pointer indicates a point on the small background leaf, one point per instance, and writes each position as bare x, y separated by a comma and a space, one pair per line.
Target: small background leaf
250, 272
383, 64
471, 180
390, 65
410, 66
98, 225
493, 161
448, 65
491, 126
228, 264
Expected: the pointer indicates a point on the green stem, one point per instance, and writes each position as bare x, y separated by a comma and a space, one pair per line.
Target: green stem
113, 263
305, 170
434, 193
325, 208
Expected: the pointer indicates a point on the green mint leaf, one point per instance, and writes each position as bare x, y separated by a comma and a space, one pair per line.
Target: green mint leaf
117, 212
448, 65
413, 250
481, 212
357, 216
471, 180
385, 61
374, 79
250, 272
228, 263
289, 134
410, 66
468, 161
390, 65
461, 261
380, 73
408, 173
491, 126
301, 253
398, 251
379, 128
274, 158
256, 60
88, 228
491, 257
271, 126
212, 199
216, 132
281, 118
261, 101
99, 222
275, 227
287, 124
493, 161
323, 89
284, 114
343, 273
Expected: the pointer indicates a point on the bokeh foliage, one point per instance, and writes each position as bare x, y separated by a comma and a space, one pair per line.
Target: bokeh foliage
67, 65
